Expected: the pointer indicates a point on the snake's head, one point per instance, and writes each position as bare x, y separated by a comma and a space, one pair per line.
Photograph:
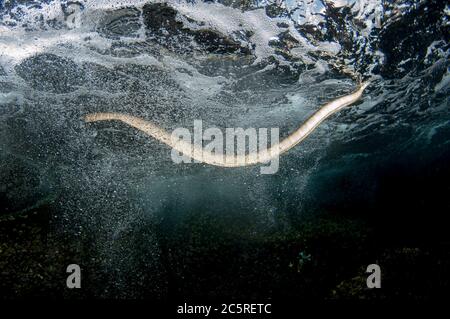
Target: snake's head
363, 86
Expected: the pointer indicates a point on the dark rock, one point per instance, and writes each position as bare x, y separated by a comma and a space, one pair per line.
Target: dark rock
240, 4
408, 38
49, 72
163, 28
273, 10
120, 23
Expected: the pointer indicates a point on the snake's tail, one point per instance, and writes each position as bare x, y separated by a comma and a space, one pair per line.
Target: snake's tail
95, 117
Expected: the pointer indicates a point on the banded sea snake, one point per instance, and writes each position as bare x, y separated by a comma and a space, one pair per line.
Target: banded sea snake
262, 156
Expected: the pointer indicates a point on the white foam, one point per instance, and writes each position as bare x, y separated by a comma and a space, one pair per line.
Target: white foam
228, 21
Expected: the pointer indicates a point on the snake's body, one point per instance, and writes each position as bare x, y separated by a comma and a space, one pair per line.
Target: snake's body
231, 160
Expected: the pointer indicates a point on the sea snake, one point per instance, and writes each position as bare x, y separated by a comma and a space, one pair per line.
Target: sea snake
231, 160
